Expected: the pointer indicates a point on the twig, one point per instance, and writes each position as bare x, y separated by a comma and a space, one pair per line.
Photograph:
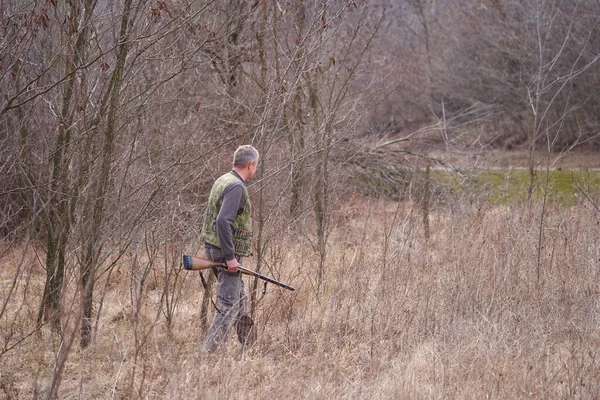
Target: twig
588, 197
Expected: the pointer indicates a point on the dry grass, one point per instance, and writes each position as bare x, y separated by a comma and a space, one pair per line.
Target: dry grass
460, 316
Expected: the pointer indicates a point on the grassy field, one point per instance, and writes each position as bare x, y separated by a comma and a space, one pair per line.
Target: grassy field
511, 186
495, 304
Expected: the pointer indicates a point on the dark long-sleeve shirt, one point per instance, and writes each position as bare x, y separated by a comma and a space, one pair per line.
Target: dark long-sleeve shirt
233, 205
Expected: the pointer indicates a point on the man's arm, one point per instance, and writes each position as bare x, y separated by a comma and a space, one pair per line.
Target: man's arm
233, 200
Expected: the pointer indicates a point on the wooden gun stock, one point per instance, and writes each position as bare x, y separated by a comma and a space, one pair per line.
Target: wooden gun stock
192, 263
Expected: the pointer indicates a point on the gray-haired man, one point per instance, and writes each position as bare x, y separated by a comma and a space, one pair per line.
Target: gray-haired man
227, 234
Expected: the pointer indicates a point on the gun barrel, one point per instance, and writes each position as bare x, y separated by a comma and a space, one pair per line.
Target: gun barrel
192, 263
266, 278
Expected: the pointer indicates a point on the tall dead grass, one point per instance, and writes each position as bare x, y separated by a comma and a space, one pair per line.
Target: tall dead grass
461, 315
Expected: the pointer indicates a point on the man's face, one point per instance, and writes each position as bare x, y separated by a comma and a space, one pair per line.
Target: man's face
252, 169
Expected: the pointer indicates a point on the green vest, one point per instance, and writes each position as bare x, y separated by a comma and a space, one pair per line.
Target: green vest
241, 231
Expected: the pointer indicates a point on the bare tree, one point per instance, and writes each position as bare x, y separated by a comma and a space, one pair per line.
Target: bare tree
61, 191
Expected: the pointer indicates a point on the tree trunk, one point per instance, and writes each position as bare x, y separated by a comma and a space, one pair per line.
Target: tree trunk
93, 242
58, 219
319, 189
263, 144
426, 201
296, 125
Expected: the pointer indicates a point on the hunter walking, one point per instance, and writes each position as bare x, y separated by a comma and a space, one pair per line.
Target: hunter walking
227, 234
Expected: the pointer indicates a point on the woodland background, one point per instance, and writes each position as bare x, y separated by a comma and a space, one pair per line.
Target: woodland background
116, 116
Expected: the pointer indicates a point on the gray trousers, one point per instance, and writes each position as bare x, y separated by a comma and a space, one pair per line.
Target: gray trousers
231, 302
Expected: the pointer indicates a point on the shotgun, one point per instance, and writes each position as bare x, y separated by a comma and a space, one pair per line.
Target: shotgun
192, 263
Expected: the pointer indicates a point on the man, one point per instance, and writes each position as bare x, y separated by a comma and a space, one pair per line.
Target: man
227, 234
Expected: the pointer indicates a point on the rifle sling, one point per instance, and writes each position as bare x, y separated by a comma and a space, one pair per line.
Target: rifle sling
205, 284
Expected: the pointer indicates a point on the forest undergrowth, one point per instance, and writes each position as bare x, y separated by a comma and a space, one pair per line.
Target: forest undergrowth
487, 307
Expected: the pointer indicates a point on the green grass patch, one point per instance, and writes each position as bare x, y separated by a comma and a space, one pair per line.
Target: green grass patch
512, 186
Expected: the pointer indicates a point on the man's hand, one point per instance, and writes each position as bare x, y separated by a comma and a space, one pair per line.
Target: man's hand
232, 265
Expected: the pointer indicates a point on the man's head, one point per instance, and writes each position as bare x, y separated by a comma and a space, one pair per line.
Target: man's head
245, 160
